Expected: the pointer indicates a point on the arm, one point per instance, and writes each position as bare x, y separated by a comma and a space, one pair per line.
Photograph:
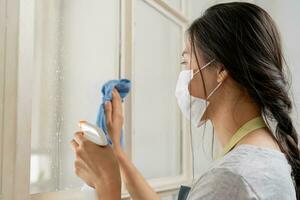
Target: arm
136, 184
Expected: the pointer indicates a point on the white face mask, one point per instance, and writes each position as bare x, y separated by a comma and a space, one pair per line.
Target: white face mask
191, 107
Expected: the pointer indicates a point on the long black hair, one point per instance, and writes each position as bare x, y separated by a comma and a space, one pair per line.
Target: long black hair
244, 38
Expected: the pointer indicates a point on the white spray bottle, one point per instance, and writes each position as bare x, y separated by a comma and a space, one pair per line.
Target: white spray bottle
97, 136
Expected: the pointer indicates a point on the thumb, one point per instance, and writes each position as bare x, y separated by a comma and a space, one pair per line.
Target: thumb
108, 112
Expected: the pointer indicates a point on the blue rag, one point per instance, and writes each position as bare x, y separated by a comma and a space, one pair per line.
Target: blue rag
123, 86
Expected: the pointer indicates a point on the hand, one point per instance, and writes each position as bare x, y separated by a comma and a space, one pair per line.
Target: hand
97, 166
114, 118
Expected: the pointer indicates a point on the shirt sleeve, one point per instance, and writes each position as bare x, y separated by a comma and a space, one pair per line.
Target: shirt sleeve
221, 183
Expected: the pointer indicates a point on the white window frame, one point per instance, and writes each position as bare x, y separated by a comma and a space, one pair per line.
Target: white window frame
17, 56
2, 39
15, 141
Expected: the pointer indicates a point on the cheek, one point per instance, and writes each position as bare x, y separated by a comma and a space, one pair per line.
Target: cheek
192, 63
196, 87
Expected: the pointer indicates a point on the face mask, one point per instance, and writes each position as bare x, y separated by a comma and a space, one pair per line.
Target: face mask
191, 107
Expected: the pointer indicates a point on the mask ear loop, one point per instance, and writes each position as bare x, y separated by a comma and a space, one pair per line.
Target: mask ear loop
207, 64
212, 92
203, 67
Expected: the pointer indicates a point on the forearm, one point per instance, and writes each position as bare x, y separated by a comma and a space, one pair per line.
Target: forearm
136, 184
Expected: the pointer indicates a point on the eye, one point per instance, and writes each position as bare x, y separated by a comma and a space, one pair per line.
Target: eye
183, 62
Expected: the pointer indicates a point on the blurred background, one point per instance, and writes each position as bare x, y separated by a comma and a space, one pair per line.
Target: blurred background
76, 46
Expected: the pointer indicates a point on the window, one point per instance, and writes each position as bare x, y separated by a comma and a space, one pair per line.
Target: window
2, 81
2, 50
67, 50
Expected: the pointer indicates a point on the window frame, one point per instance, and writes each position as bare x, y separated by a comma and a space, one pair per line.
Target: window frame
2, 80
17, 57
15, 141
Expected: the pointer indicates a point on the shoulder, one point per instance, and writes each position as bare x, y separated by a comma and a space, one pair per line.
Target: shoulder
246, 172
250, 161
221, 183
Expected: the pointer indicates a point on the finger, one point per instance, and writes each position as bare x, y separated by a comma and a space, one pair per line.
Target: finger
116, 93
116, 103
79, 138
74, 144
79, 163
108, 112
79, 166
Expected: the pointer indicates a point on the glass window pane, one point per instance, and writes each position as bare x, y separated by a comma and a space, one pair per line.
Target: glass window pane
156, 131
76, 52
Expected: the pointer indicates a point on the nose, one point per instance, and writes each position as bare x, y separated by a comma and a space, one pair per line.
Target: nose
184, 61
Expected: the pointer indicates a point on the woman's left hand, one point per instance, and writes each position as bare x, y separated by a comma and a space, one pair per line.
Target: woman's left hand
97, 166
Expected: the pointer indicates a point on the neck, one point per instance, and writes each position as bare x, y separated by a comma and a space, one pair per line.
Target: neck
231, 114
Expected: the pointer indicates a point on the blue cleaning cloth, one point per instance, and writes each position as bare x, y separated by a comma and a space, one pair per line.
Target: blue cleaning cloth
123, 86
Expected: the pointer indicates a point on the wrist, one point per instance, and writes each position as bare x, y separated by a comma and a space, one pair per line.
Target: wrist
117, 149
108, 191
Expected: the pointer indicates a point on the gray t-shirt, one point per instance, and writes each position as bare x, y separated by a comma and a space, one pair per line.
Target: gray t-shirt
246, 172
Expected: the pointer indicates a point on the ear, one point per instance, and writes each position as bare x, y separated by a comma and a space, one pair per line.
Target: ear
222, 74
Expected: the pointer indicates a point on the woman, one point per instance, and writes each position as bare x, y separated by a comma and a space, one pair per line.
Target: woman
236, 79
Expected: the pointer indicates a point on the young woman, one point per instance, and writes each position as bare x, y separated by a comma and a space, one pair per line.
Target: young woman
235, 78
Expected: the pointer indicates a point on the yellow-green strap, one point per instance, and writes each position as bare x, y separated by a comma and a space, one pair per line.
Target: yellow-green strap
248, 127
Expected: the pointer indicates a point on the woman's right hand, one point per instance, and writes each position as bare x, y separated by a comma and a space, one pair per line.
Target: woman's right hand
114, 118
